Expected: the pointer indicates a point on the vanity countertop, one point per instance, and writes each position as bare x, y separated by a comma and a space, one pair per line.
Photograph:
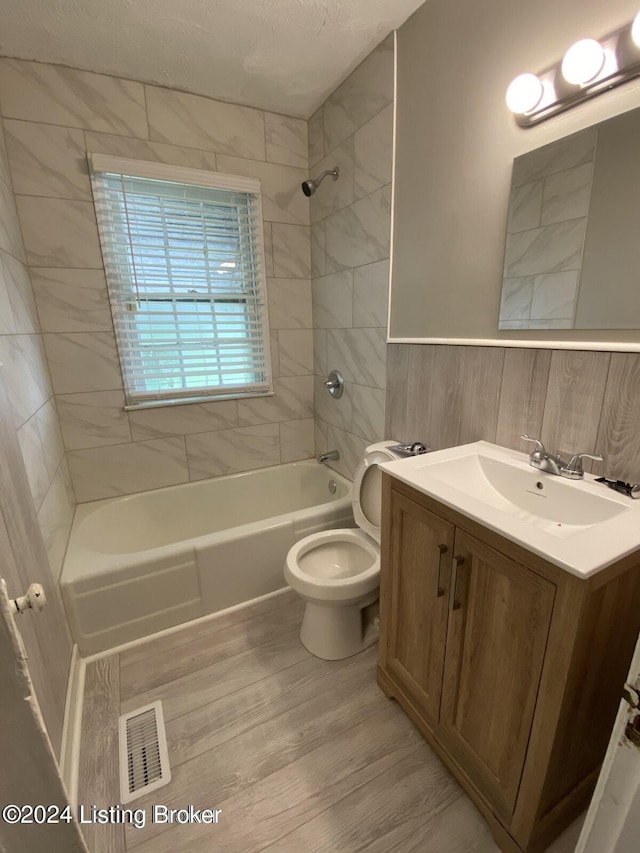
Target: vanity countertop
579, 525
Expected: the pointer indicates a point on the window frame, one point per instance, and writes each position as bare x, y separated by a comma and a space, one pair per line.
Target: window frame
127, 167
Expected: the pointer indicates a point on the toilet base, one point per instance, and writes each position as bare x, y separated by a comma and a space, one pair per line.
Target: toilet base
335, 632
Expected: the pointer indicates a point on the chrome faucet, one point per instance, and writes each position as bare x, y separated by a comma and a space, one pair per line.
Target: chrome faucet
552, 464
329, 456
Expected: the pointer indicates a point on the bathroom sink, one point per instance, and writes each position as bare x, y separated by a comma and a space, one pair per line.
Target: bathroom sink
579, 525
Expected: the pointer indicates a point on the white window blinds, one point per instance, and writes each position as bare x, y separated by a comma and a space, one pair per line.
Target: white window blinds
184, 259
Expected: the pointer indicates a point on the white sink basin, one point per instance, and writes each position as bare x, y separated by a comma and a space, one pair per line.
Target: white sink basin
579, 525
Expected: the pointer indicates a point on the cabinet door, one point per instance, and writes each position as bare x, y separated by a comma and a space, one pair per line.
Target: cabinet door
417, 584
499, 617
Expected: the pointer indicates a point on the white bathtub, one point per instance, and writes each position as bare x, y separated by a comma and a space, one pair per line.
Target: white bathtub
141, 563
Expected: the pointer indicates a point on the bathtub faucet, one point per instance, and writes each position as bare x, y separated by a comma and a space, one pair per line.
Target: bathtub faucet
329, 456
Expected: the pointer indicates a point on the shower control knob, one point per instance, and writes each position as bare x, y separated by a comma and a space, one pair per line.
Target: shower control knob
33, 599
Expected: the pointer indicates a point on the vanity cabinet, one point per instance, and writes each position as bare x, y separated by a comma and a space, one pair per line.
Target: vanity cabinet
510, 667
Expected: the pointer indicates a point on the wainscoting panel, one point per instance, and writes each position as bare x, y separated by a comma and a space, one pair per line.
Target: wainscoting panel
574, 401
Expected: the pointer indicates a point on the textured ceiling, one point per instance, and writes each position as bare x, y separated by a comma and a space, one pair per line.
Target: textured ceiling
280, 55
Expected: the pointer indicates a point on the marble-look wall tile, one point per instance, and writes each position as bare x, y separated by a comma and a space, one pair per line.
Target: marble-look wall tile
566, 194
289, 303
183, 420
565, 153
282, 198
197, 122
525, 207
316, 134
515, 301
351, 448
93, 419
157, 152
317, 250
72, 300
287, 140
292, 398
53, 94
552, 248
333, 410
362, 95
320, 437
275, 353
268, 249
34, 460
7, 321
83, 362
320, 352
50, 436
371, 294
26, 374
333, 195
10, 237
295, 352
291, 251
359, 354
372, 153
5, 175
296, 440
333, 300
59, 232
23, 312
55, 517
121, 469
47, 160
554, 296
360, 234
211, 454
368, 412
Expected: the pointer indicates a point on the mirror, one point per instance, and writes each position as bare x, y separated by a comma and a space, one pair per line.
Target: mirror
573, 232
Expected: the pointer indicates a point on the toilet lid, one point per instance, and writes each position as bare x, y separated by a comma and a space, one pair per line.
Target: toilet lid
367, 491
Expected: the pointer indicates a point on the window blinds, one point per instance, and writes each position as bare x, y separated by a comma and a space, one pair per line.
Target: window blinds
185, 272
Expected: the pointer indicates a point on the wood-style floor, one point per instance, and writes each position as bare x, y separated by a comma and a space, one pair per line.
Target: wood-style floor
301, 755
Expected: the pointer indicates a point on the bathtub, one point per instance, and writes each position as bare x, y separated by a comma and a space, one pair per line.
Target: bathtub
141, 563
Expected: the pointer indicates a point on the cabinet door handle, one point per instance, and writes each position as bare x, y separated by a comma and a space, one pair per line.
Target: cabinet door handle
440, 549
454, 604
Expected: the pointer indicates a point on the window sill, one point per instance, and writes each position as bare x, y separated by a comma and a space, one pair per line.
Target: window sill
186, 401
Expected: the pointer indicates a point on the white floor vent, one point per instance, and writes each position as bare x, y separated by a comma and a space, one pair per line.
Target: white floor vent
144, 760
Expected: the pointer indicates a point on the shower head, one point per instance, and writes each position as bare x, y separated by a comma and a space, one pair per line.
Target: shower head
310, 186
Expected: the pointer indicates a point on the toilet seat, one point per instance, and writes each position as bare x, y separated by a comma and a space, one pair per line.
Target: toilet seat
341, 565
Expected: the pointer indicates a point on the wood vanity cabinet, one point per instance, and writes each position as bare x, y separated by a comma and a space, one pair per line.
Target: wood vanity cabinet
511, 668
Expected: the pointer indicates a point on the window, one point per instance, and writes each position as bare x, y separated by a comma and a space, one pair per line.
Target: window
184, 260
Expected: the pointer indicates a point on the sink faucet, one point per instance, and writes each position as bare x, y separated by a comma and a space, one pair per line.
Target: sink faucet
552, 464
329, 456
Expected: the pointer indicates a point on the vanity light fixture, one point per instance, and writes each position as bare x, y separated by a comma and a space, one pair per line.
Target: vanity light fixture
588, 68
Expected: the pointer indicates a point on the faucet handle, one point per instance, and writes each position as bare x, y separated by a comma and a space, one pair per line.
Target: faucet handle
574, 466
539, 450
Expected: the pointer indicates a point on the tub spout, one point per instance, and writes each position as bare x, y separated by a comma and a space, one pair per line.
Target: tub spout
329, 456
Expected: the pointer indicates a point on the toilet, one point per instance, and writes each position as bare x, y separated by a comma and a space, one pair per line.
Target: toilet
337, 572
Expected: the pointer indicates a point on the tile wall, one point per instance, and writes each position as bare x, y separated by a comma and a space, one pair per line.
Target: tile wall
546, 231
26, 376
37, 493
575, 401
350, 238
53, 116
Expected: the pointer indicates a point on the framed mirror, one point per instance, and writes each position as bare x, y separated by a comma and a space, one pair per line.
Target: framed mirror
573, 232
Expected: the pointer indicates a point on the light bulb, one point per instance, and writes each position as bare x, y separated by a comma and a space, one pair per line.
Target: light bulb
635, 30
583, 61
524, 93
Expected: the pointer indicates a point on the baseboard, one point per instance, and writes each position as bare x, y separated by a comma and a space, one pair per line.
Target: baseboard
70, 744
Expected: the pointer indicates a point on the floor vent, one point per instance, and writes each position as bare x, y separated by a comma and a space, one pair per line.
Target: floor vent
144, 760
